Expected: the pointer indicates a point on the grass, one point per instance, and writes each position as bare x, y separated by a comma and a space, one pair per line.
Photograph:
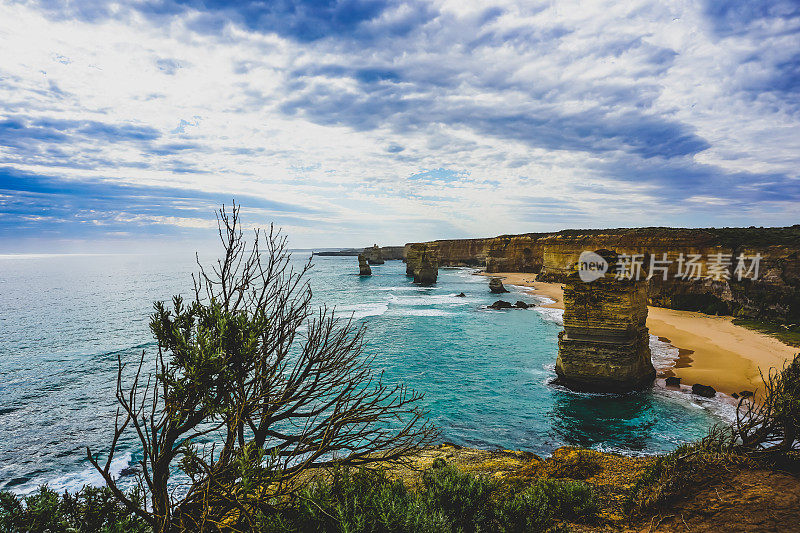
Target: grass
787, 334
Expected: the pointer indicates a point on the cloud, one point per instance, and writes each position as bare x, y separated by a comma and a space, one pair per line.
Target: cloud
395, 121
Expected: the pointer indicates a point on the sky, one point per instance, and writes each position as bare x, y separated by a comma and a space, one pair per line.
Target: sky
123, 126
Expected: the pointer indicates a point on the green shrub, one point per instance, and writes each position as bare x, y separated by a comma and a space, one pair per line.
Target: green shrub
578, 464
528, 510
568, 499
91, 510
360, 501
464, 498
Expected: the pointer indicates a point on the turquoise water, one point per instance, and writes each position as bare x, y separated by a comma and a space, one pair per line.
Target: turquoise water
485, 374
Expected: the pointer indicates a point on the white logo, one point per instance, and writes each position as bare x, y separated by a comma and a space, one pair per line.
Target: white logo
591, 266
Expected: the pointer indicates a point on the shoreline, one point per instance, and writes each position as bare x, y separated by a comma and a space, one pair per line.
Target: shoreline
712, 349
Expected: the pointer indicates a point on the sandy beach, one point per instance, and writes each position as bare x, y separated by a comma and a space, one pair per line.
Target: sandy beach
713, 350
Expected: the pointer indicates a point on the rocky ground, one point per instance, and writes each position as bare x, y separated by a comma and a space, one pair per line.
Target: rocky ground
740, 500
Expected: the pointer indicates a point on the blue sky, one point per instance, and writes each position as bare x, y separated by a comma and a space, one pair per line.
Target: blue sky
123, 125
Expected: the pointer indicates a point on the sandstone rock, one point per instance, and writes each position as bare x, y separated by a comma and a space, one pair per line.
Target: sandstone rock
707, 391
374, 255
522, 305
605, 344
773, 296
461, 295
673, 381
422, 262
496, 286
501, 304
363, 266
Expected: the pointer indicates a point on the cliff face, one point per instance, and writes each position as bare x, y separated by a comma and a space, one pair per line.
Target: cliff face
774, 295
605, 343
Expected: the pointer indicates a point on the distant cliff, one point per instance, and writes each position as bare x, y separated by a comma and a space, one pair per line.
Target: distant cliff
774, 295
387, 252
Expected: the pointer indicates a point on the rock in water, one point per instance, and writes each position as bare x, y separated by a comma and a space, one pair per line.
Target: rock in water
374, 255
422, 262
496, 286
363, 266
461, 295
501, 304
522, 305
605, 345
673, 381
706, 391
746, 394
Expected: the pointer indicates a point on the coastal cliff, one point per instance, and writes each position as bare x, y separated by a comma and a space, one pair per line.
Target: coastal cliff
774, 295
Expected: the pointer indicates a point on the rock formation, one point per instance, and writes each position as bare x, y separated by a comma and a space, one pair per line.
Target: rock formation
707, 391
605, 343
501, 304
496, 286
363, 266
374, 255
775, 295
422, 263
673, 381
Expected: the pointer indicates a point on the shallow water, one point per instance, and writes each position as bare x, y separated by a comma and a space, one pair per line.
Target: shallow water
65, 319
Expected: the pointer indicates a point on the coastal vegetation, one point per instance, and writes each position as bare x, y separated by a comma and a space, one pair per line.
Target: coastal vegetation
786, 333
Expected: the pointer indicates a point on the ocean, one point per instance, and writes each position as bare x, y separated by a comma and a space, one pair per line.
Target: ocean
485, 374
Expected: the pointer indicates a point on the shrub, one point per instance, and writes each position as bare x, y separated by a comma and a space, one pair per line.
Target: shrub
770, 428
465, 499
91, 510
684, 471
568, 499
575, 464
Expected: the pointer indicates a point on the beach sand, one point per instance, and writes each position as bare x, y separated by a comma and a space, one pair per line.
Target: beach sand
713, 350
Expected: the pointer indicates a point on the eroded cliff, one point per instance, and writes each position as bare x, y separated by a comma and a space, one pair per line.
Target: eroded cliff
774, 294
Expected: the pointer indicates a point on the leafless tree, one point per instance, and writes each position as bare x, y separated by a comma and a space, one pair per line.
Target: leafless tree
251, 389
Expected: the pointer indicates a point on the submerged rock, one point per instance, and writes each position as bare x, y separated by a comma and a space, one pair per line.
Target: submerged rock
496, 286
501, 304
673, 381
706, 391
363, 266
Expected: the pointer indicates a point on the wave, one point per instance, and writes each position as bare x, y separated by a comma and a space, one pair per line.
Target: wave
422, 312
431, 299
551, 314
74, 481
360, 311
662, 353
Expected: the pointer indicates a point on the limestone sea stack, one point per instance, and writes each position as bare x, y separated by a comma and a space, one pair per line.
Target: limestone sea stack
422, 263
605, 344
496, 286
363, 266
374, 255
